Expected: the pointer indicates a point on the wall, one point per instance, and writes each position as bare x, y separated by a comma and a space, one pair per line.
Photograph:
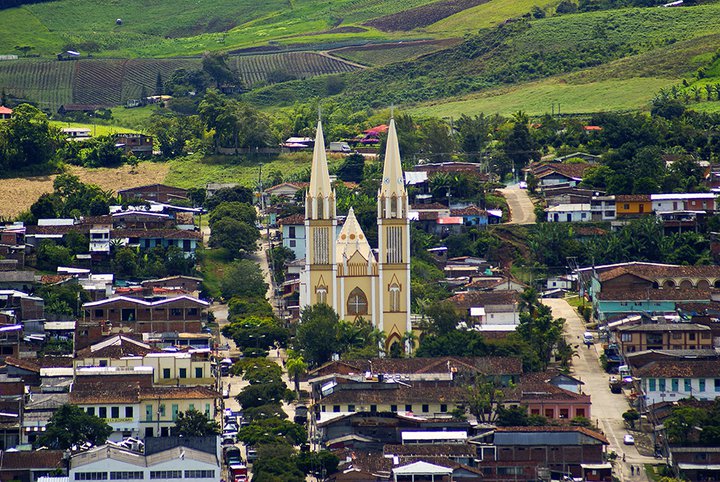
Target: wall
670, 394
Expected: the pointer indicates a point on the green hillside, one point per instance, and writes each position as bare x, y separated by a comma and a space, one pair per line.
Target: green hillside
621, 44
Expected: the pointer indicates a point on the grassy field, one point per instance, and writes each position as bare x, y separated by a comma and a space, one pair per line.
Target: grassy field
384, 54
95, 129
149, 29
536, 98
194, 171
19, 194
484, 16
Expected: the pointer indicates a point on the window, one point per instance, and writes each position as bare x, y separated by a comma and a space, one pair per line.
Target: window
161, 410
198, 372
103, 363
207, 410
717, 384
676, 335
688, 385
183, 373
425, 408
651, 384
408, 407
702, 384
357, 303
293, 243
174, 411
675, 383
393, 408
336, 408
199, 474
166, 373
691, 336
166, 474
91, 475
443, 408
91, 410
291, 232
394, 297
192, 311
114, 413
509, 470
626, 337
126, 475
321, 292
129, 412
373, 408
191, 407
549, 413
99, 313
351, 408
579, 412
102, 412
626, 206
564, 413
148, 413
175, 311
127, 314
662, 384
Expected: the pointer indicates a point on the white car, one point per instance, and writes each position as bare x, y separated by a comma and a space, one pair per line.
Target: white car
522, 185
628, 439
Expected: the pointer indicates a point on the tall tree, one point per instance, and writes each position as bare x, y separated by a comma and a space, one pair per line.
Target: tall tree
194, 424
71, 426
317, 333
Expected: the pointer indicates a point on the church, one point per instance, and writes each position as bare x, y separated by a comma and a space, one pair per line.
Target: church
341, 269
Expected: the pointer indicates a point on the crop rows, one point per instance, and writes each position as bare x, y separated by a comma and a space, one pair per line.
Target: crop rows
254, 69
141, 73
98, 82
47, 83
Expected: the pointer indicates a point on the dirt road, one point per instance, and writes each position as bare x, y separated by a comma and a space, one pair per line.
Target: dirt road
522, 210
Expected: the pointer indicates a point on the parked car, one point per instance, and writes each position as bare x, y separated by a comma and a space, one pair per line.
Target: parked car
301, 413
628, 439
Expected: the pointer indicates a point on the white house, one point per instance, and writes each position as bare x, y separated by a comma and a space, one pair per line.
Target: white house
192, 459
569, 213
671, 381
603, 208
683, 201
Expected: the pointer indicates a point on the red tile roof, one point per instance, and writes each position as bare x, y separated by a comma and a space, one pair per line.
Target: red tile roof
632, 198
680, 368
39, 459
5, 110
468, 211
672, 294
292, 220
483, 298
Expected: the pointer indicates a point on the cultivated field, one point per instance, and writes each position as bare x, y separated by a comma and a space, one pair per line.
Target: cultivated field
382, 54
19, 194
108, 82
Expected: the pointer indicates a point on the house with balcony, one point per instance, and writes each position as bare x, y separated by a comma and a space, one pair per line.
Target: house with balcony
629, 206
122, 314
183, 368
127, 400
663, 336
603, 208
519, 453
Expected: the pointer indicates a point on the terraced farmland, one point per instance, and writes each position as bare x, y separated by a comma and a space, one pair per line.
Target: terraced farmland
255, 69
111, 82
49, 83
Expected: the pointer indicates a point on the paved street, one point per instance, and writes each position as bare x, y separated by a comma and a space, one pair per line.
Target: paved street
522, 210
607, 407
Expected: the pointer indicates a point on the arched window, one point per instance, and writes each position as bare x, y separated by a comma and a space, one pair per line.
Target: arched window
394, 297
320, 205
321, 293
357, 303
393, 206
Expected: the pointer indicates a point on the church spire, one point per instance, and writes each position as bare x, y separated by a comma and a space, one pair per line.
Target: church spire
320, 199
392, 182
319, 176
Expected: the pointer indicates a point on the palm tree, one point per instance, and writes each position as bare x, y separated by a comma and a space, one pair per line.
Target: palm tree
377, 338
296, 367
409, 340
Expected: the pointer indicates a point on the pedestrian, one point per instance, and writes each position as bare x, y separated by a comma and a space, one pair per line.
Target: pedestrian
624, 458
632, 470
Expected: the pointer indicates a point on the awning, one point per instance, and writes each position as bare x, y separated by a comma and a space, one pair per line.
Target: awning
685, 466
606, 465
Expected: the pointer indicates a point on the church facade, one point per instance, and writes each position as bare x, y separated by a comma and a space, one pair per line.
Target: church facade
343, 271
